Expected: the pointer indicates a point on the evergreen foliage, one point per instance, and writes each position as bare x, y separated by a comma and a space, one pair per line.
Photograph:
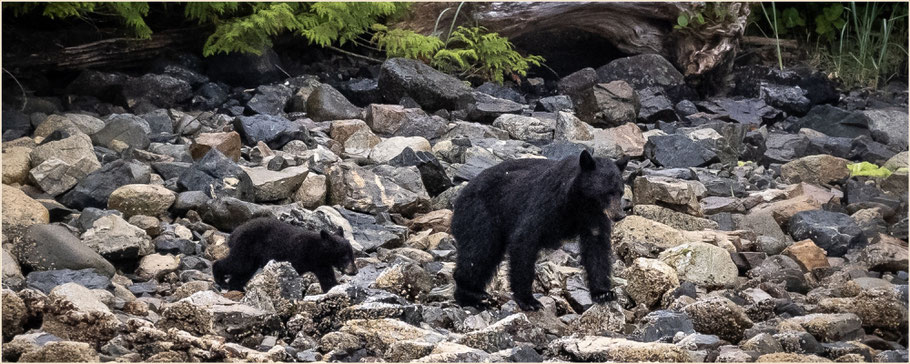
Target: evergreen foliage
471, 52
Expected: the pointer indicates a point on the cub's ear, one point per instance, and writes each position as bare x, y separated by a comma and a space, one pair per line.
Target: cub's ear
325, 234
622, 162
586, 161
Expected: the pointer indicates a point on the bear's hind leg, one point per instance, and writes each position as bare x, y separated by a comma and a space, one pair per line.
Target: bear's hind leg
477, 260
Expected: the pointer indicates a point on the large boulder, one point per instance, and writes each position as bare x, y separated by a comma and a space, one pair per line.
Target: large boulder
76, 313
605, 349
677, 194
261, 184
86, 124
161, 90
526, 128
117, 240
719, 316
390, 148
835, 122
227, 143
396, 120
641, 71
264, 128
649, 279
890, 122
269, 99
50, 247
16, 164
433, 90
209, 173
75, 157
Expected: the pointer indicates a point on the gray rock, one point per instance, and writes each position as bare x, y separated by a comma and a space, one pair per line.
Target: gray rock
834, 232
673, 151
610, 104
326, 103
432, 89
269, 99
260, 184
719, 316
115, 239
127, 129
161, 90
49, 247
486, 108
641, 71
663, 325
781, 269
395, 120
529, 129
95, 189
45, 281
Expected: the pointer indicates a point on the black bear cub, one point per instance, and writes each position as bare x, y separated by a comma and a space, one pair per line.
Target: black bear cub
254, 243
524, 205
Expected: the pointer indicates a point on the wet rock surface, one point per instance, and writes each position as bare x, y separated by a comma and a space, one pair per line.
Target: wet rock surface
747, 239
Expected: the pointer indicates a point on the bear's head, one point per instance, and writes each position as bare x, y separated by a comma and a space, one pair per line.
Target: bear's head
600, 185
339, 251
220, 273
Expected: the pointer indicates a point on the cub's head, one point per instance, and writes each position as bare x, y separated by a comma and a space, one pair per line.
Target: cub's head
339, 251
600, 182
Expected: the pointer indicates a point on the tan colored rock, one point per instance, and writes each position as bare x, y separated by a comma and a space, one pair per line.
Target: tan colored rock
815, 169
438, 221
227, 143
312, 191
360, 143
649, 279
627, 137
341, 130
791, 358
76, 313
156, 266
808, 255
719, 316
62, 352
569, 127
678, 194
605, 349
703, 264
636, 236
15, 162
382, 333
392, 147
141, 199
673, 218
21, 211
877, 308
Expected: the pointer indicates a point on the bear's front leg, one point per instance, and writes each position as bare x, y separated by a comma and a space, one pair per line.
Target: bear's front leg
595, 257
326, 277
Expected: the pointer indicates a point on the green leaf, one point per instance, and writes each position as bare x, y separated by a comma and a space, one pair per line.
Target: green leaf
682, 20
868, 169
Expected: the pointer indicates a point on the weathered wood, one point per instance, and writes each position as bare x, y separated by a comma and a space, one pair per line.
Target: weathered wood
634, 28
114, 52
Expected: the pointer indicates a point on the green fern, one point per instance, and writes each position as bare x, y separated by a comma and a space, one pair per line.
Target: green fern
405, 43
473, 52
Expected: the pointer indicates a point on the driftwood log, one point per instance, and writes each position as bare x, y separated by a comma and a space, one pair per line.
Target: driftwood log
108, 53
633, 28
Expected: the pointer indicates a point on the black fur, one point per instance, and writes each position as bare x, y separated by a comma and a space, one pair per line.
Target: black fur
256, 242
522, 206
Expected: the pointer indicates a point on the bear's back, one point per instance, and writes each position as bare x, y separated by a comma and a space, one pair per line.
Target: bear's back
264, 230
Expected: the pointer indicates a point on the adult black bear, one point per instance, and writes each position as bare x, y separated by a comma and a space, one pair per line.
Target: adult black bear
256, 242
521, 206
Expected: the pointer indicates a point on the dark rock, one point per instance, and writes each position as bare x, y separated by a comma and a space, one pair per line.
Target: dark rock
432, 89
159, 121
781, 269
865, 149
285, 137
655, 105
126, 128
269, 100
105, 86
562, 149
578, 81
473, 165
15, 124
209, 96
326, 103
226, 213
791, 99
265, 128
169, 170
182, 72
361, 91
94, 189
832, 231
165, 245
190, 200
641, 71
432, 173
610, 104
746, 111
208, 173
501, 91
371, 232
673, 151
245, 69
720, 186
161, 90
782, 147
833, 121
686, 108
486, 108
45, 281
555, 103
663, 325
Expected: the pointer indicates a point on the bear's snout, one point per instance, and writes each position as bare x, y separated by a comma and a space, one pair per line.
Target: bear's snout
350, 269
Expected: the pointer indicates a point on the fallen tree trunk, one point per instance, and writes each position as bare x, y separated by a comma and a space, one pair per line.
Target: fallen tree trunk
633, 28
112, 53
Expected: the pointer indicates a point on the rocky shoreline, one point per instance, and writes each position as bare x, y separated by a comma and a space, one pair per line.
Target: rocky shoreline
748, 238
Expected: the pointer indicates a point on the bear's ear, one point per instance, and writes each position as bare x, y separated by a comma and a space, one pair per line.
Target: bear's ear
586, 161
622, 162
325, 234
